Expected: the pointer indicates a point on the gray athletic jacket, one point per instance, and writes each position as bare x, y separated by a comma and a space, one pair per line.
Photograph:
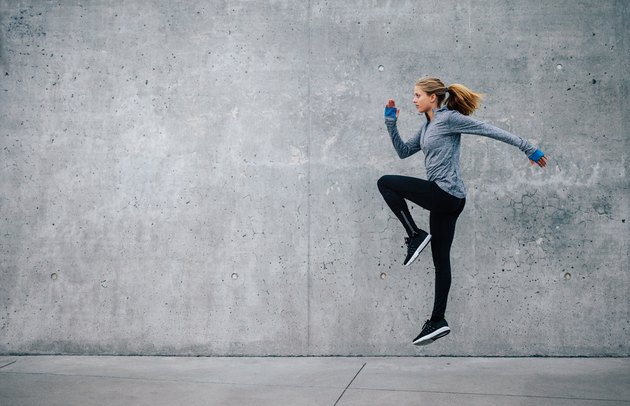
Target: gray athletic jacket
439, 139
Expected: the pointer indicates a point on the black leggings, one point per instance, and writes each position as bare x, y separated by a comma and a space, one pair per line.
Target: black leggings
444, 209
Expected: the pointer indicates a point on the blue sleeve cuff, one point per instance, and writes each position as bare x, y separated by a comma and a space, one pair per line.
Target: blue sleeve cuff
536, 155
390, 112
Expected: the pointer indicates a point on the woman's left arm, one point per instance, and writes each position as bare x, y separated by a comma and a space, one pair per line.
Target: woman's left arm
459, 123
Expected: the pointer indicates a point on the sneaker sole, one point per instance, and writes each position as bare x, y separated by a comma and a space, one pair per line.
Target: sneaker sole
428, 339
419, 250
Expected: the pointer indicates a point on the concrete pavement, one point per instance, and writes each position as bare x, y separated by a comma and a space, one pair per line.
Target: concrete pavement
155, 381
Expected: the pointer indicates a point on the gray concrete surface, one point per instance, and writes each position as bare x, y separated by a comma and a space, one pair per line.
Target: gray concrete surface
199, 177
156, 381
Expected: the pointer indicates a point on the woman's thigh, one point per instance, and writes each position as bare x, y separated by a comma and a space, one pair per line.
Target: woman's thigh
426, 194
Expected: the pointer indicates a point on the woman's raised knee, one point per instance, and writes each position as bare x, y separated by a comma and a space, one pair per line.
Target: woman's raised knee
383, 181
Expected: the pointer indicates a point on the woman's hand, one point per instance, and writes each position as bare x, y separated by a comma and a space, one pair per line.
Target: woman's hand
388, 108
538, 157
542, 162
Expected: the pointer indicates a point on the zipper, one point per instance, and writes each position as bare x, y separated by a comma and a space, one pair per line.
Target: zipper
407, 221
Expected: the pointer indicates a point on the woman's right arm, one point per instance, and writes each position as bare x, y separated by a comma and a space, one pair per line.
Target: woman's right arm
404, 149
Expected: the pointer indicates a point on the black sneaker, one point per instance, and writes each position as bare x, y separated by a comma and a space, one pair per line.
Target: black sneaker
431, 331
415, 245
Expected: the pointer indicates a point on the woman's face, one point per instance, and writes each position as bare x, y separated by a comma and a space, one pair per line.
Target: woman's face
423, 101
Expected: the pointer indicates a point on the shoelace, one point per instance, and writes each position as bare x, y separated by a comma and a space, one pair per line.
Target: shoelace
428, 326
410, 244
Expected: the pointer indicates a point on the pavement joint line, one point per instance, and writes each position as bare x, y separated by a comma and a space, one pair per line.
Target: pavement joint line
489, 394
352, 380
6, 365
131, 378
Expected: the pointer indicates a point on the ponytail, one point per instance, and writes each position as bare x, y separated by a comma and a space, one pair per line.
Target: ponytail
460, 97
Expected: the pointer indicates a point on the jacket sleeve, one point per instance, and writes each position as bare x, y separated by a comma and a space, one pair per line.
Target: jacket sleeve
459, 123
404, 149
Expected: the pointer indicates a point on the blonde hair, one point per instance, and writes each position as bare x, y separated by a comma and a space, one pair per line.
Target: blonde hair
460, 97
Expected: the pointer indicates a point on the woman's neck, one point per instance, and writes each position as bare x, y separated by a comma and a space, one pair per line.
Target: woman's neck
430, 112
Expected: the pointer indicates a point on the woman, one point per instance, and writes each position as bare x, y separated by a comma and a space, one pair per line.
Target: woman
443, 194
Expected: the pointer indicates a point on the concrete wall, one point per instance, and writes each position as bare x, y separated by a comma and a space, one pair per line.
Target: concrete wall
199, 177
